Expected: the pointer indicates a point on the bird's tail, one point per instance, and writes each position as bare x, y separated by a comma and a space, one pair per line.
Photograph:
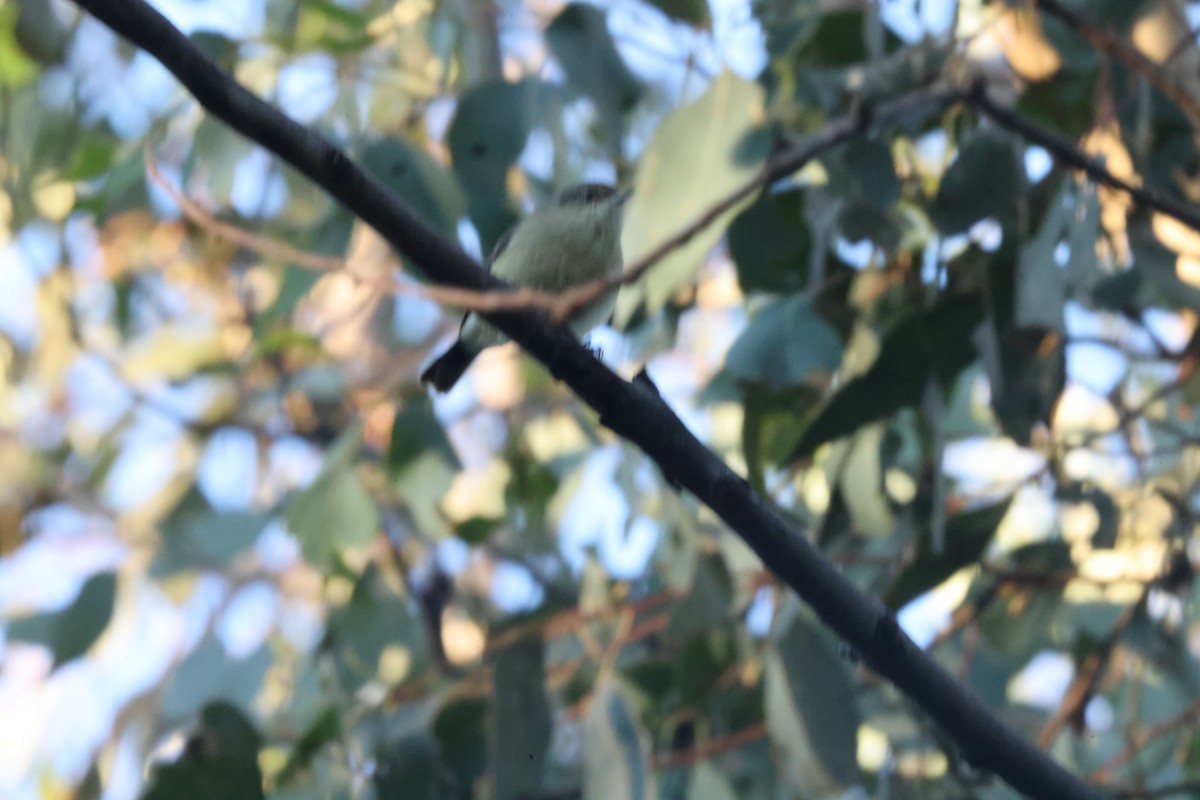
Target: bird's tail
449, 367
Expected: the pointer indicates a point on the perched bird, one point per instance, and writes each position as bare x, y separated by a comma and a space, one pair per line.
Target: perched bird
573, 240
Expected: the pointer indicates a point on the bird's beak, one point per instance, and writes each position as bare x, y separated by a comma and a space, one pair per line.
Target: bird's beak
623, 196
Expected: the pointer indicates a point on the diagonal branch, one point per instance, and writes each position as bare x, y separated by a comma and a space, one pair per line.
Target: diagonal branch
632, 410
1068, 153
1127, 54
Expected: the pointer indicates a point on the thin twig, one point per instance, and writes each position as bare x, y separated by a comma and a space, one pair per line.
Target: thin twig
1128, 55
1107, 771
1066, 152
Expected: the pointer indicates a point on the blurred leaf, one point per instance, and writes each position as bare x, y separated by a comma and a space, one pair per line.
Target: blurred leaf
772, 424
936, 341
421, 181
71, 632
416, 430
325, 729
1107, 513
521, 724
19, 41
476, 530
580, 40
335, 511
174, 352
1028, 51
219, 761
461, 729
1152, 280
861, 482
1022, 621
209, 673
693, 12
198, 537
91, 159
375, 619
1034, 371
862, 220
409, 768
707, 602
770, 243
968, 535
491, 123
1041, 283
784, 344
616, 748
707, 783
1066, 103
700, 665
984, 160
811, 714
873, 172
40, 30
719, 130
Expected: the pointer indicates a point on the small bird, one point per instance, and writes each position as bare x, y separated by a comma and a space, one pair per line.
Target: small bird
573, 240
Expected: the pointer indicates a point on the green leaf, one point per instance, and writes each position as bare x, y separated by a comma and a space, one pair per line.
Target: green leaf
580, 40
707, 602
701, 662
71, 632
967, 536
199, 537
862, 220
335, 511
521, 724
209, 673
325, 729
770, 243
935, 342
421, 181
219, 761
811, 713
785, 343
870, 165
1041, 283
488, 133
410, 768
16, 67
416, 430
461, 729
616, 748
720, 131
707, 783
1022, 621
1033, 365
376, 618
984, 161
861, 482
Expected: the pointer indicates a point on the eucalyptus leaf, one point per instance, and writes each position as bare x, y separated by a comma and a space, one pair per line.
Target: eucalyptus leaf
785, 344
984, 161
811, 714
71, 632
719, 130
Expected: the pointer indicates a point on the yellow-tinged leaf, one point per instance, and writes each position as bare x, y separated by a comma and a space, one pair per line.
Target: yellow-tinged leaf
1028, 51
174, 352
1104, 141
1176, 236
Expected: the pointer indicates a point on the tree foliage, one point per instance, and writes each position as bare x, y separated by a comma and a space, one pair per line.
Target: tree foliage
932, 293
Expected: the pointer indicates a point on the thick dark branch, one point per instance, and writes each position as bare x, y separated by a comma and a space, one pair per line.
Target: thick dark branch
632, 410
